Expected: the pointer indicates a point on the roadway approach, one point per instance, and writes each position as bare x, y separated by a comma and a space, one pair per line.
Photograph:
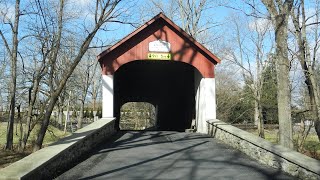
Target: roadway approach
168, 155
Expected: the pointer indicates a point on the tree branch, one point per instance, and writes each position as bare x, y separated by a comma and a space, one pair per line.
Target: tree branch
5, 43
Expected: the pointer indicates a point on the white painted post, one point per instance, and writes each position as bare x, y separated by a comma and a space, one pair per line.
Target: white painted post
107, 96
211, 99
199, 108
206, 103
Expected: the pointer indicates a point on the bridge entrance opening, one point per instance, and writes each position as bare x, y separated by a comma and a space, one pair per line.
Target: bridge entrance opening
137, 116
170, 86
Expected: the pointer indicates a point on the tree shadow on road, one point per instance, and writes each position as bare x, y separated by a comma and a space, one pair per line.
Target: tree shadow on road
192, 152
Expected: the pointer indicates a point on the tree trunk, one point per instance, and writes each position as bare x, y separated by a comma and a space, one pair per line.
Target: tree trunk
27, 129
13, 83
283, 90
257, 91
94, 94
79, 125
94, 101
60, 116
258, 118
20, 123
32, 99
45, 123
67, 115
279, 12
9, 144
313, 91
317, 127
256, 115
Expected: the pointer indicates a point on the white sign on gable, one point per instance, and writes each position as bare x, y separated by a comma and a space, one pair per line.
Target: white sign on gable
159, 46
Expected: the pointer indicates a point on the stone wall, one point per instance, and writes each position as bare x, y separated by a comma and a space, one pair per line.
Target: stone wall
276, 156
62, 155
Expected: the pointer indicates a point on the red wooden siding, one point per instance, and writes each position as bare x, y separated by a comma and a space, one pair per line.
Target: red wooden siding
135, 47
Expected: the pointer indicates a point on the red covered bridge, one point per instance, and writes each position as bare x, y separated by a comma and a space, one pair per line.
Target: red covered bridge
161, 64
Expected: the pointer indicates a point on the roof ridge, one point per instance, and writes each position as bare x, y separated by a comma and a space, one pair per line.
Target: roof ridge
162, 16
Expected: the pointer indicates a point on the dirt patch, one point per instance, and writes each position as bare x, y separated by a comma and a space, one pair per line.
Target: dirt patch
9, 157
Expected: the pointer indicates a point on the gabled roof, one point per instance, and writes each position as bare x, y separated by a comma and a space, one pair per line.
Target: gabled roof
170, 24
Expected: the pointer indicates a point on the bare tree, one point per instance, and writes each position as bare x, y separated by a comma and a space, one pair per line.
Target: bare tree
95, 90
36, 57
306, 58
3, 67
13, 52
279, 14
249, 55
105, 11
228, 90
84, 79
33, 91
192, 15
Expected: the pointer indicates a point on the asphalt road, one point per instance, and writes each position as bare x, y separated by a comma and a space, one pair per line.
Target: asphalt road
169, 155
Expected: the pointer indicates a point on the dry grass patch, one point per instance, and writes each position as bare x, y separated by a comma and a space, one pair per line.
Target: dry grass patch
7, 157
311, 146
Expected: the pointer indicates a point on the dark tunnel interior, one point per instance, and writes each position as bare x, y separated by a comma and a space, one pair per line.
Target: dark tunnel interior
168, 85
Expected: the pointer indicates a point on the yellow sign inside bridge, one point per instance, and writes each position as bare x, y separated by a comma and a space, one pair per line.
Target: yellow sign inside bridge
159, 56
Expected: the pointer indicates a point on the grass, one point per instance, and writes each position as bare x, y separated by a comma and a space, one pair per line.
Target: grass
311, 146
7, 157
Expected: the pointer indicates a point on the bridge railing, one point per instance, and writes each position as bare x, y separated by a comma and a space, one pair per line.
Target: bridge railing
54, 159
276, 156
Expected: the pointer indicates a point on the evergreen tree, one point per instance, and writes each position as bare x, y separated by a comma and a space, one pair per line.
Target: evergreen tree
269, 94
